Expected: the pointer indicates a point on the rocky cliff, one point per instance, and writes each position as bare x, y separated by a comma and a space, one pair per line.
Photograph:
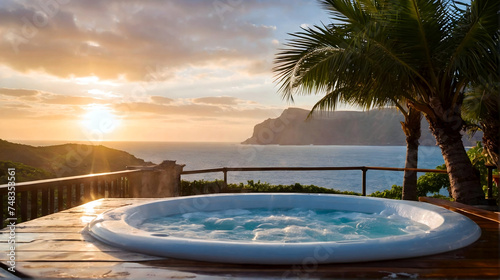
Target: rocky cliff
376, 127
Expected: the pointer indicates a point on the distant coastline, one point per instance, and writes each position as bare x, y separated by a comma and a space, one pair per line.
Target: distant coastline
371, 128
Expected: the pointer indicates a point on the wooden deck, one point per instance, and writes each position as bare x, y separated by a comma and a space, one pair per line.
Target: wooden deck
55, 247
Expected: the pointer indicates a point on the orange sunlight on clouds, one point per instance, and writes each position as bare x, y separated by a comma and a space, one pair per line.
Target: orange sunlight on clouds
142, 70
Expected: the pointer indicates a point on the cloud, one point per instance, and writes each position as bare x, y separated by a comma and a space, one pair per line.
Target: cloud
18, 92
115, 38
14, 113
221, 100
29, 113
211, 57
221, 108
189, 110
41, 97
71, 100
161, 99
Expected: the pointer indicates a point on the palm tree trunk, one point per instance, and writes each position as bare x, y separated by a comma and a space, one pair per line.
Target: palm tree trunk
411, 128
491, 139
464, 179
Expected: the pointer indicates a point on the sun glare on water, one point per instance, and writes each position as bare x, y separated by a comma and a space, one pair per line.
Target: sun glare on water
100, 119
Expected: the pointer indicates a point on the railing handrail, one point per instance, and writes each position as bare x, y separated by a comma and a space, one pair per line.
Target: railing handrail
224, 169
364, 169
212, 170
319, 168
407, 169
20, 186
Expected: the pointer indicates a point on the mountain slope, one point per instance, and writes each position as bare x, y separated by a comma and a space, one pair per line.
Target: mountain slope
375, 127
68, 159
24, 172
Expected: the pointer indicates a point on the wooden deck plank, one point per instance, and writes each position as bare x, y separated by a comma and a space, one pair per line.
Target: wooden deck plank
106, 204
56, 246
79, 256
27, 237
460, 207
98, 270
60, 220
52, 229
62, 246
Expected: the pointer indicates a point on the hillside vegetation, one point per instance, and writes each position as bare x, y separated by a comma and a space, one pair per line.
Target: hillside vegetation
33, 163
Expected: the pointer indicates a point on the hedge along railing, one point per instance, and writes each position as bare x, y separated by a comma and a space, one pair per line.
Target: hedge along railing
363, 169
39, 198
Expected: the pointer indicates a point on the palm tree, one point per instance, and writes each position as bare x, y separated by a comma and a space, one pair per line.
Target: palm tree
423, 51
482, 108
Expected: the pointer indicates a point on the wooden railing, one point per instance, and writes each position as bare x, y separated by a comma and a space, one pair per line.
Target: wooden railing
363, 169
39, 198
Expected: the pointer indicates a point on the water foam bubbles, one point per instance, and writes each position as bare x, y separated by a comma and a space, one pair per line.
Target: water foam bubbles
283, 225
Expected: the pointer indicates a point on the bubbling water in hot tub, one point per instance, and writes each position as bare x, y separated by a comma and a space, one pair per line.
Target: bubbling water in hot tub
282, 225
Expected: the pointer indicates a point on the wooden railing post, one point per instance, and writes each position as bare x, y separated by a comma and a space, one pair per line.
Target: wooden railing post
364, 169
224, 170
45, 202
490, 180
34, 204
162, 180
60, 198
51, 200
86, 191
24, 206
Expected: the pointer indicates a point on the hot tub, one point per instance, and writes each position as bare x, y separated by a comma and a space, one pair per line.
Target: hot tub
445, 230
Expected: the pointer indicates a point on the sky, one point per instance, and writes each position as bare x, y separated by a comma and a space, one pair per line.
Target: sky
145, 70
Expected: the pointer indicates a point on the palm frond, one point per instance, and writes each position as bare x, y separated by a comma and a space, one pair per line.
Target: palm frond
377, 51
475, 44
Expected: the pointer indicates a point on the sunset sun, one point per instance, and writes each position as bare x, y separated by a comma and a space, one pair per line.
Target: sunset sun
99, 119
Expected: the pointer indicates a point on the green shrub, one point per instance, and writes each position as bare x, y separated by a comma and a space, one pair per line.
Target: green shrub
201, 187
208, 187
432, 183
396, 192
480, 158
429, 184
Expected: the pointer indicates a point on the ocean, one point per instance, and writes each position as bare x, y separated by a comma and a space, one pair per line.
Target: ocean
216, 155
